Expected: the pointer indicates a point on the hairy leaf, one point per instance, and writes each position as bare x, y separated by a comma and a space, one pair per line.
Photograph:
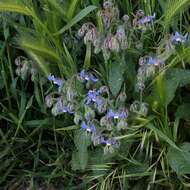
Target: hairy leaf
179, 160
80, 157
115, 77
183, 112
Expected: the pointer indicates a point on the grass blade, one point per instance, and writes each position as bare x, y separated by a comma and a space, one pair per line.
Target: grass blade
77, 18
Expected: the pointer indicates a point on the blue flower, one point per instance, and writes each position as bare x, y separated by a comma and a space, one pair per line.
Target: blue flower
110, 143
154, 61
87, 76
122, 115
57, 81
68, 109
116, 115
178, 38
101, 104
97, 139
111, 114
146, 19
60, 107
88, 128
92, 96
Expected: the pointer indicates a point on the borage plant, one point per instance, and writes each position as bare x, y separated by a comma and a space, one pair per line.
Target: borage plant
122, 106
116, 105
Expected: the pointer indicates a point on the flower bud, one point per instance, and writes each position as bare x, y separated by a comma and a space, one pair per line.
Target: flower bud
70, 94
107, 4
135, 106
111, 43
77, 118
125, 18
122, 124
49, 100
122, 97
120, 34
89, 113
90, 36
143, 109
140, 13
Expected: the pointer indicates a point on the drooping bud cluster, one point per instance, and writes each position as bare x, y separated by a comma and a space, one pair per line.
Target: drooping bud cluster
109, 13
25, 68
108, 39
148, 66
63, 100
140, 108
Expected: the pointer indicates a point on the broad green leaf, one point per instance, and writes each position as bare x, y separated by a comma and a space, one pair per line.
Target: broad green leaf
115, 77
183, 112
167, 84
77, 18
179, 160
80, 157
99, 162
175, 78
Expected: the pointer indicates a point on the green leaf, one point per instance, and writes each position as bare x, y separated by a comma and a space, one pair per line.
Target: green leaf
173, 8
14, 7
175, 78
1, 83
29, 104
115, 77
167, 84
77, 18
72, 9
99, 162
57, 7
183, 112
80, 157
180, 160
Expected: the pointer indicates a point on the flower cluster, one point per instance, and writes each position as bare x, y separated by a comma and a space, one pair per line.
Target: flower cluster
141, 21
25, 68
177, 38
107, 39
63, 100
149, 64
87, 77
97, 115
57, 81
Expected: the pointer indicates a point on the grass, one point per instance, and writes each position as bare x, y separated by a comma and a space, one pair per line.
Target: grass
39, 150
